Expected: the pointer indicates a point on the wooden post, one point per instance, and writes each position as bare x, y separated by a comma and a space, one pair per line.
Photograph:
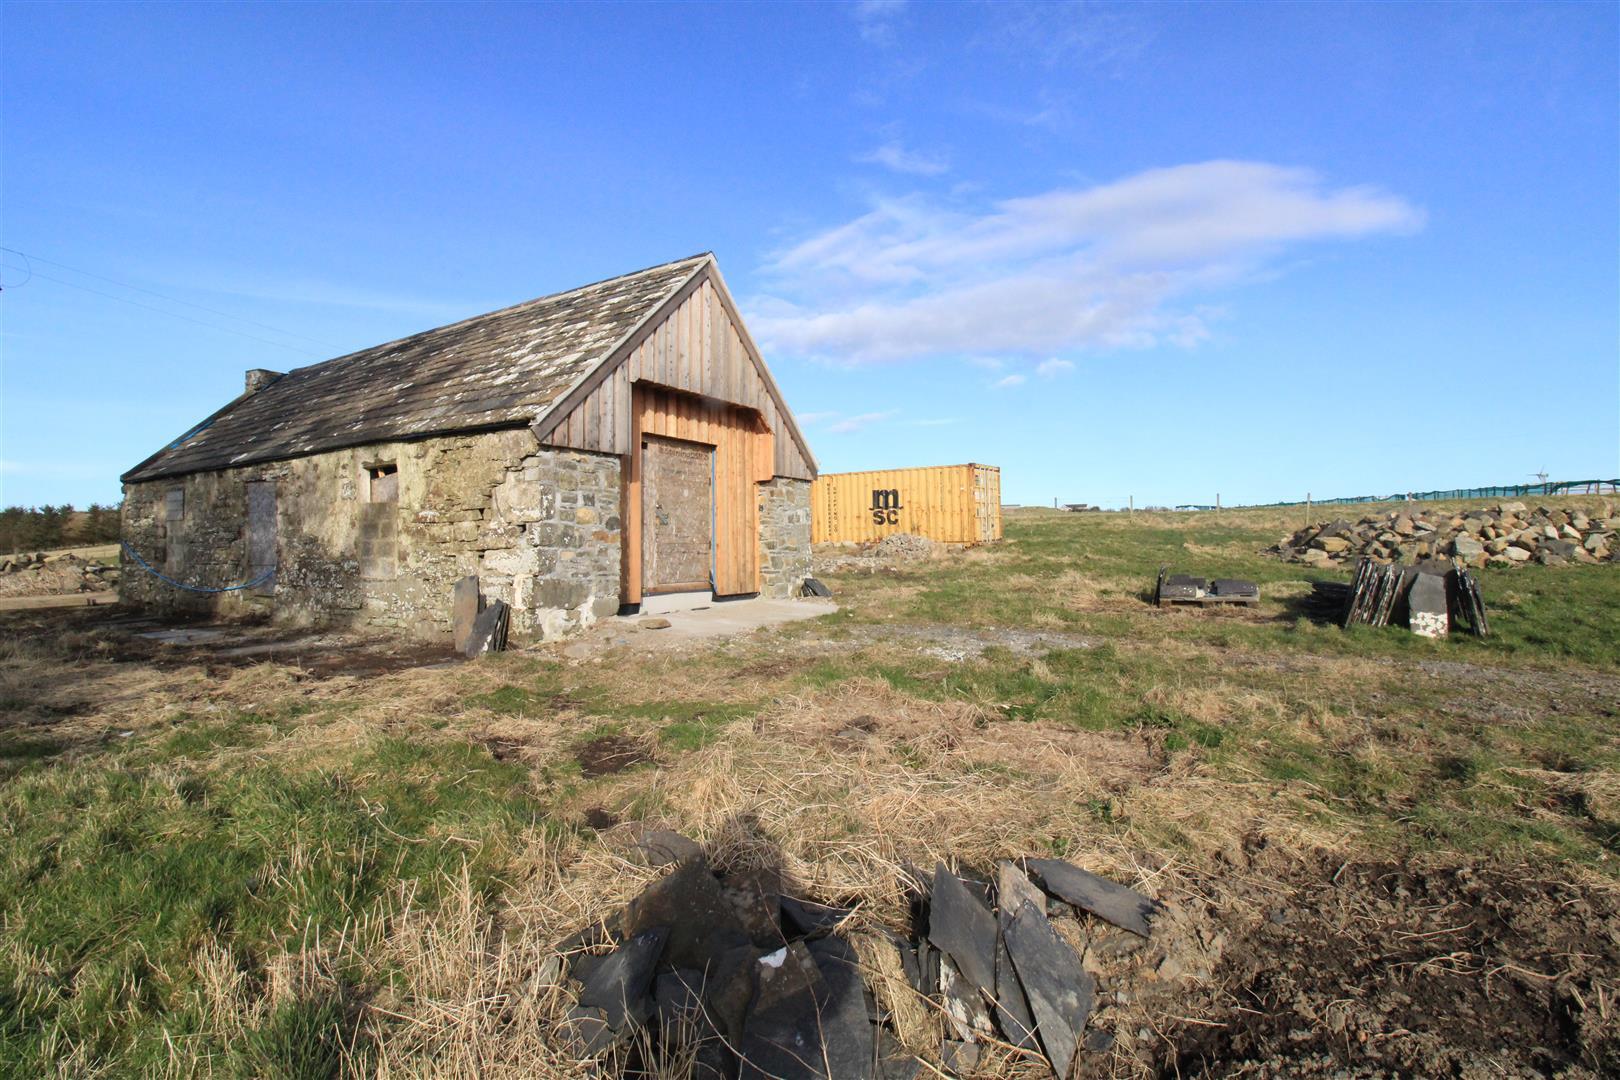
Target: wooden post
1307, 508
1132, 512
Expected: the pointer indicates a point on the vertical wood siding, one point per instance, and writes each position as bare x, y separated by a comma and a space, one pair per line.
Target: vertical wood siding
953, 504
698, 349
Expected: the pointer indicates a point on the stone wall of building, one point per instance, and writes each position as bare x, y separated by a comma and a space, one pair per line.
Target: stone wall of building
539, 526
784, 536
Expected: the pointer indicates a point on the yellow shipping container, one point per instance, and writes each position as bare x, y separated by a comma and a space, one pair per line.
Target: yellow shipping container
953, 504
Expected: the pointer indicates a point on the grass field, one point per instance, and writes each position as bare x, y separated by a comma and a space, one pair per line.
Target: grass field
245, 871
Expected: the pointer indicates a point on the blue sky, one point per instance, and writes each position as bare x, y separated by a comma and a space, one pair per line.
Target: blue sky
1374, 247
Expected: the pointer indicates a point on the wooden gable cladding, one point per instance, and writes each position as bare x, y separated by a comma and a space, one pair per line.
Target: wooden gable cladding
696, 344
743, 457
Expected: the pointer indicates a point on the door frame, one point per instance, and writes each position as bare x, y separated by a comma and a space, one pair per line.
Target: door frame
641, 540
743, 460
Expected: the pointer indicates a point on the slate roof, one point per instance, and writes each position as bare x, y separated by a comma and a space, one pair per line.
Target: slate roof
502, 369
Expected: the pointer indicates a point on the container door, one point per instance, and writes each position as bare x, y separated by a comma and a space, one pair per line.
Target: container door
677, 516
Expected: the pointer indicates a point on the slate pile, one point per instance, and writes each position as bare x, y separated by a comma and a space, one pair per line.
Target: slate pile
1432, 598
756, 983
1508, 535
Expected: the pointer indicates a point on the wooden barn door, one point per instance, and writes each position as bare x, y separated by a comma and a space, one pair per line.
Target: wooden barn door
677, 515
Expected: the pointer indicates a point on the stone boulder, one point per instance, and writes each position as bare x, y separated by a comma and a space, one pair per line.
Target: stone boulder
1510, 534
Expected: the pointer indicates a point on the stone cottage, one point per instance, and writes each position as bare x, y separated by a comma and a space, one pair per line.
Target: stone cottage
615, 445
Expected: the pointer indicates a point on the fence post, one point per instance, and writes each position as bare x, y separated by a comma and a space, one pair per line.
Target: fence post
1132, 512
1307, 508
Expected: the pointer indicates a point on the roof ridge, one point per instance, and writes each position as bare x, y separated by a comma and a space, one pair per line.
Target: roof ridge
501, 311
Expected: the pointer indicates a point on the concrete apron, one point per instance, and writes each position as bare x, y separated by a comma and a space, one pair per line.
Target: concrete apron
722, 619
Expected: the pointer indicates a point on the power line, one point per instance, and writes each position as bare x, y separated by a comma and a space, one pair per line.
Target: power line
151, 292
176, 315
29, 266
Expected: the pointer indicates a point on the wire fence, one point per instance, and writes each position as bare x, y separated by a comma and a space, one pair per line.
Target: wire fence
1502, 491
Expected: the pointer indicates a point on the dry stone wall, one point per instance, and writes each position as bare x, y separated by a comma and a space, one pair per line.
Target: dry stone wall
784, 536
539, 526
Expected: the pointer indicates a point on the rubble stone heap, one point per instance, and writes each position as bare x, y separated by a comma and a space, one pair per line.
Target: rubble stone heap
905, 546
1509, 534
42, 574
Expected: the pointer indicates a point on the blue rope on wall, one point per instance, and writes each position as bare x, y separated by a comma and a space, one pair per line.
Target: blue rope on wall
166, 579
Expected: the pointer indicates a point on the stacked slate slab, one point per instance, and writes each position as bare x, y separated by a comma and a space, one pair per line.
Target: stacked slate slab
478, 627
755, 983
1187, 589
1430, 598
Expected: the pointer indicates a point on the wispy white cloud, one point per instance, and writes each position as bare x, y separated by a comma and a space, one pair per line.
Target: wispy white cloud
1063, 270
1048, 369
855, 423
1006, 382
1105, 38
1049, 113
894, 156
876, 19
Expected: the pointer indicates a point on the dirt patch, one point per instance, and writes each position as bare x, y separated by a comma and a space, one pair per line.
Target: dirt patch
1403, 970
601, 819
503, 749
770, 669
611, 754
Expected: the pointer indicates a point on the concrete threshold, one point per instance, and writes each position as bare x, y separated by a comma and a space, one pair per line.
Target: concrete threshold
669, 603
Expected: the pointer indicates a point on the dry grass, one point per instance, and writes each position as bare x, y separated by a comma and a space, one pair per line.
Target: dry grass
1203, 759
843, 812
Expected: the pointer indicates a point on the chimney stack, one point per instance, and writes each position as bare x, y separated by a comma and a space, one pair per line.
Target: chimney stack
258, 378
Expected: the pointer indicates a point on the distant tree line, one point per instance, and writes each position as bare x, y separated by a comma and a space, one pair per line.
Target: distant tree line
37, 528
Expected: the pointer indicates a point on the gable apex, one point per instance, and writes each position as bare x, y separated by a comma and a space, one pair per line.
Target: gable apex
694, 342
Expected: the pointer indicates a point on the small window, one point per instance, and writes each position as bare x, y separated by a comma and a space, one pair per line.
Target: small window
384, 482
174, 504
